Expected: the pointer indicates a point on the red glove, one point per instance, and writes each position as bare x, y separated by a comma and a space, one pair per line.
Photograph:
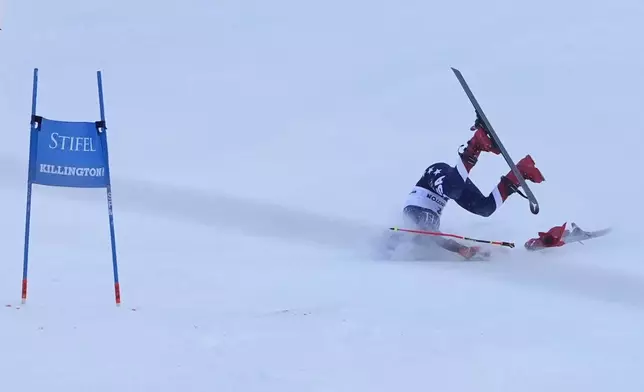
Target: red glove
470, 251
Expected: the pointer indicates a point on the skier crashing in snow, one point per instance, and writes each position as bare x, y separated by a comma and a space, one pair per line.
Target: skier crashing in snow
441, 183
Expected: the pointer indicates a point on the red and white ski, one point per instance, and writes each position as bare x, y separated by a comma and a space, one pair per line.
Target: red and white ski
577, 234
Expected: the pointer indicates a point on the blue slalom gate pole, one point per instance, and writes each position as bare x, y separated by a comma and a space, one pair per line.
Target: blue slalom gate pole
110, 210
32, 159
71, 154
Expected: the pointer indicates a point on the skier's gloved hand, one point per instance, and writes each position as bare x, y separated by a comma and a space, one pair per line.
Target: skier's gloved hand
467, 252
470, 251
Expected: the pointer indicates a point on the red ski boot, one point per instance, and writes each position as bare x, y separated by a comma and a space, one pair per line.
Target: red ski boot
550, 239
481, 141
528, 170
510, 184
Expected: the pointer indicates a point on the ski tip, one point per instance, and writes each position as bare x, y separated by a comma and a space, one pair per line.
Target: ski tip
534, 207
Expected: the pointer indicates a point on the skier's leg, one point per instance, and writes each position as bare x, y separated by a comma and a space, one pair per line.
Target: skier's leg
474, 201
417, 217
458, 177
421, 218
455, 177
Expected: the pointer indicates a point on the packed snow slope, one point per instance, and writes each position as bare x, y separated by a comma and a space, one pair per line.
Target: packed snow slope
259, 148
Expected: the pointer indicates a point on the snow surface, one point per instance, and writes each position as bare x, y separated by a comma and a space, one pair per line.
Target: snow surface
259, 148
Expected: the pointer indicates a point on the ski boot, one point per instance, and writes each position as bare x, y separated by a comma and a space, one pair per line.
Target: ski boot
550, 239
509, 183
481, 141
528, 170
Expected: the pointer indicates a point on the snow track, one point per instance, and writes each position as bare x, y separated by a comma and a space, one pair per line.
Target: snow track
258, 150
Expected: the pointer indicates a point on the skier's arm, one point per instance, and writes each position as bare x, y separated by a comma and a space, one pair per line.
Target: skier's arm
450, 244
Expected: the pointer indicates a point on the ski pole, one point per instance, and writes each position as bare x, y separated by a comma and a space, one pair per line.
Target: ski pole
436, 233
